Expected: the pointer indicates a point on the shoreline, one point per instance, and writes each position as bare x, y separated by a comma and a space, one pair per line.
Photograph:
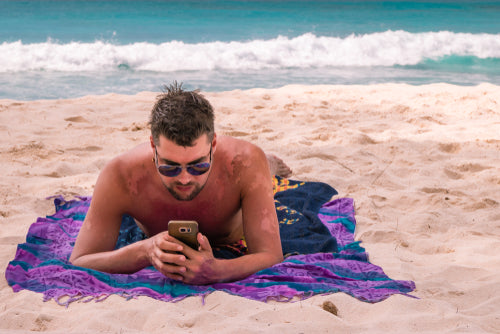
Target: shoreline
421, 162
354, 86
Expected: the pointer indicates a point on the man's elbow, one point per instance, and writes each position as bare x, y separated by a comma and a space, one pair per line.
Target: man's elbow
280, 258
277, 258
76, 260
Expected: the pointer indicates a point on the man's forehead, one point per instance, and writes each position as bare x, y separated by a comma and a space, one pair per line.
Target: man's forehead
171, 153
201, 140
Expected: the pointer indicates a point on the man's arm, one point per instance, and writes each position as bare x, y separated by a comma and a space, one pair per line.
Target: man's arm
261, 229
94, 246
260, 222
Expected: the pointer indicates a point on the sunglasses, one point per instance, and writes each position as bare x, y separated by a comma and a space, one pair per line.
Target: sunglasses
194, 169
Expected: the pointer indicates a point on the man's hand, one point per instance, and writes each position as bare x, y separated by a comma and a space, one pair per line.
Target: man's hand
162, 254
191, 266
201, 265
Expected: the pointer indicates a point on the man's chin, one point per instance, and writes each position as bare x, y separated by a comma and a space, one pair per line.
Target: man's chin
180, 196
183, 198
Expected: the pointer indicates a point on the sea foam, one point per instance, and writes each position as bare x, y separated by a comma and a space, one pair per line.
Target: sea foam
387, 48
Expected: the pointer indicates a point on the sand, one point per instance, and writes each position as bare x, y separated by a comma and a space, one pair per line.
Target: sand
421, 162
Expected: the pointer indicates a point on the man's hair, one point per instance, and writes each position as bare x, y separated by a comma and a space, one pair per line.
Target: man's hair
181, 116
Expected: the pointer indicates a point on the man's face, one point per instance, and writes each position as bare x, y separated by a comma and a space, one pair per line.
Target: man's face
189, 160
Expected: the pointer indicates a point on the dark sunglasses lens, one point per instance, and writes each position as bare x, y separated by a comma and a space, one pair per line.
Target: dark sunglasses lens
195, 170
169, 171
198, 169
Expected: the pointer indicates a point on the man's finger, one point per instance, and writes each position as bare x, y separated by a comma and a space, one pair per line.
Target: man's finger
170, 270
168, 244
204, 243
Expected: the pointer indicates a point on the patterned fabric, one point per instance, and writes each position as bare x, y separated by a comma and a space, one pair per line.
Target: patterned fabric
239, 248
41, 263
297, 205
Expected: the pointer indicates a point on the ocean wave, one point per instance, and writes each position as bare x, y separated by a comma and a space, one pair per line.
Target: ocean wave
387, 48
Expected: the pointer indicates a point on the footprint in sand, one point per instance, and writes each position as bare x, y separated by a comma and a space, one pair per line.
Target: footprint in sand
61, 169
471, 167
452, 174
76, 119
41, 323
456, 172
134, 127
484, 203
435, 190
235, 133
450, 147
90, 148
379, 236
363, 139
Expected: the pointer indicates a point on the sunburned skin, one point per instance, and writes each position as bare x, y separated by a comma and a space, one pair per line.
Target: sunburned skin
235, 200
265, 222
216, 208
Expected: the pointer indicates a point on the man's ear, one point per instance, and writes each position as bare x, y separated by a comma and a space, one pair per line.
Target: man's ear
152, 142
214, 142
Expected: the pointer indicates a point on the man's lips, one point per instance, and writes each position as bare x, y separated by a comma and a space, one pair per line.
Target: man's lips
184, 188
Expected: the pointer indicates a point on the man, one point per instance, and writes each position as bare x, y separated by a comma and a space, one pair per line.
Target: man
186, 172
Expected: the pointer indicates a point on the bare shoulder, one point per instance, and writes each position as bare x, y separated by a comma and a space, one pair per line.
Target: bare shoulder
111, 199
238, 147
119, 177
245, 162
240, 153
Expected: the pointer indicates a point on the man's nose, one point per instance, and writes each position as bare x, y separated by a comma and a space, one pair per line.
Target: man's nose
184, 176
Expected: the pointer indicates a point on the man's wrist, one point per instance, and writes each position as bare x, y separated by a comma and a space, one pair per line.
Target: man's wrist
144, 253
220, 271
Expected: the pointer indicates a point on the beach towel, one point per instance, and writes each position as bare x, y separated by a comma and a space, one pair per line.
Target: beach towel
322, 257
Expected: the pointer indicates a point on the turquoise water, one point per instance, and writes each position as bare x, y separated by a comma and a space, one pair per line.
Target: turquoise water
60, 49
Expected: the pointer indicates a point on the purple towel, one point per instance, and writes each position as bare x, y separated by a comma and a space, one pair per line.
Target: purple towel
41, 265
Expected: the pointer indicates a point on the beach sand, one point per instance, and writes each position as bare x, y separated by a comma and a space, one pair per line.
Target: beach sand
421, 162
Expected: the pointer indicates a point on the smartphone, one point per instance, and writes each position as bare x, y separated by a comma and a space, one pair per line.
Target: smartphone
185, 231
